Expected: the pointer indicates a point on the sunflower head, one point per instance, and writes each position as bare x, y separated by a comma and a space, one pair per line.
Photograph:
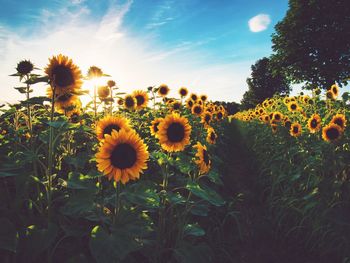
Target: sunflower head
108, 124
63, 74
220, 115
111, 83
293, 106
24, 67
277, 116
330, 95
314, 123
204, 97
340, 120
174, 133
206, 118
103, 92
130, 102
123, 156
163, 90
203, 159
295, 129
211, 136
141, 98
335, 90
154, 126
176, 105
183, 92
194, 97
120, 101
197, 109
94, 72
266, 118
331, 133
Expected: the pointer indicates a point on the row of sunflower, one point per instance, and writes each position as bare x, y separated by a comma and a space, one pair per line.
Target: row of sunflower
71, 185
300, 146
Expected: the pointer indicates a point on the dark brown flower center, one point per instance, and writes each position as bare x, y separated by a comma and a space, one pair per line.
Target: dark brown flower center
335, 91
206, 157
63, 75
140, 100
190, 103
64, 97
108, 130
339, 122
123, 156
24, 67
313, 123
183, 92
197, 110
293, 106
295, 129
277, 117
212, 136
332, 134
163, 90
176, 106
207, 118
176, 132
129, 102
194, 97
220, 115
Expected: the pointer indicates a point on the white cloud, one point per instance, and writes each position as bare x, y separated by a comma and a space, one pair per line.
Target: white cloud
259, 23
134, 62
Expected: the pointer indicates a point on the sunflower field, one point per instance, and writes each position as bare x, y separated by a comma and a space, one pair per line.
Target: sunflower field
125, 178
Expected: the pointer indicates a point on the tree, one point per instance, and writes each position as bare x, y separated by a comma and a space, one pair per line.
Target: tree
265, 81
312, 42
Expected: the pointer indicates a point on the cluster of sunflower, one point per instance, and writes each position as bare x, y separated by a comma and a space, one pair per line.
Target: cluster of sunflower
325, 118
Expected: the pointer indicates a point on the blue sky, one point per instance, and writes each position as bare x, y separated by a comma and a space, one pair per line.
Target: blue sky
207, 46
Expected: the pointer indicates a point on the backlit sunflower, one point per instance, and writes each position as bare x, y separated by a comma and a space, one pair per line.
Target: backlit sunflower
123, 156
295, 129
106, 125
130, 102
103, 92
163, 90
154, 126
314, 123
203, 160
94, 72
141, 99
174, 133
24, 67
211, 136
183, 92
204, 97
65, 76
120, 101
197, 109
332, 132
64, 102
193, 96
340, 120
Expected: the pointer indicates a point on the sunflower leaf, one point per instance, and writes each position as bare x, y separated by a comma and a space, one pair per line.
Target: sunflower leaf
205, 193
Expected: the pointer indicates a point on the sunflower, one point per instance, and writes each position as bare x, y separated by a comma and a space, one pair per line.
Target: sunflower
123, 156
314, 123
266, 118
24, 67
130, 102
74, 115
109, 123
120, 101
295, 129
286, 100
111, 83
63, 74
189, 103
335, 91
141, 99
183, 92
332, 132
174, 133
340, 120
287, 124
176, 105
154, 126
94, 72
219, 115
197, 109
194, 97
64, 102
277, 116
211, 136
163, 90
206, 118
204, 97
103, 92
293, 106
203, 160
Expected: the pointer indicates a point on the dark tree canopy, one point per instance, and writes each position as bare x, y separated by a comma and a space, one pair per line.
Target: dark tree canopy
312, 42
264, 83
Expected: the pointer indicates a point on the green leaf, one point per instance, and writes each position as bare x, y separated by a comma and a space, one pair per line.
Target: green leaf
7, 174
22, 89
79, 181
142, 193
8, 235
79, 160
205, 193
214, 177
194, 230
200, 209
79, 204
36, 100
36, 79
111, 247
175, 198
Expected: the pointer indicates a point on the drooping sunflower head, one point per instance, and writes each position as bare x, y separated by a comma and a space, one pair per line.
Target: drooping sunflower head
314, 123
94, 72
194, 97
183, 92
123, 156
340, 120
332, 132
130, 102
295, 129
103, 92
24, 67
174, 133
204, 97
163, 90
108, 124
141, 98
203, 159
211, 136
197, 109
154, 126
63, 74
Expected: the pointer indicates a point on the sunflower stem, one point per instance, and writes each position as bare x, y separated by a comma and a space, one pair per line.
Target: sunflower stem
95, 103
117, 202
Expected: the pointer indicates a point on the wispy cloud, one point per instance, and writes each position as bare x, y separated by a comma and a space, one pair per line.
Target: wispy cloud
162, 15
135, 62
259, 23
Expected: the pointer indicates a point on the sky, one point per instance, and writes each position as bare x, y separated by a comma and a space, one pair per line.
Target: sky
207, 46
